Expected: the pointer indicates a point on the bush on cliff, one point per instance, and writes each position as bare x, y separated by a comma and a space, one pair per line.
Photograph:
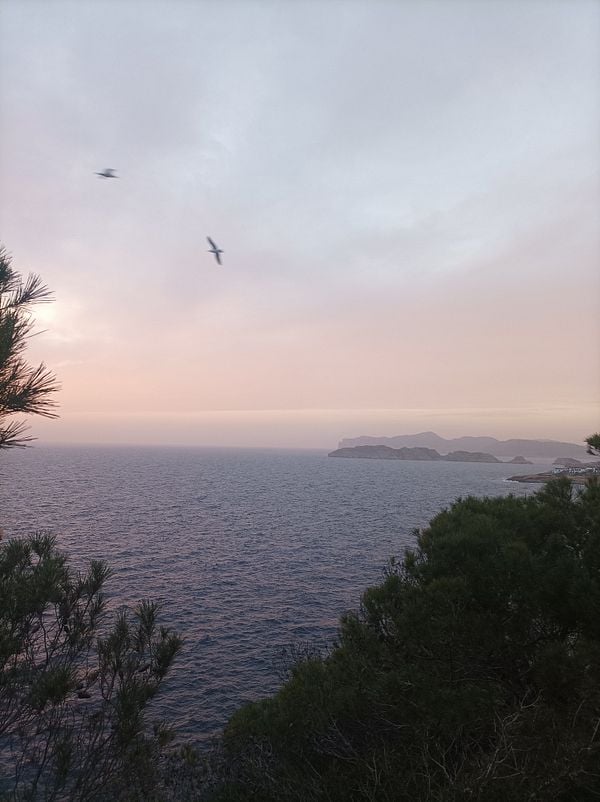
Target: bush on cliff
73, 691
471, 673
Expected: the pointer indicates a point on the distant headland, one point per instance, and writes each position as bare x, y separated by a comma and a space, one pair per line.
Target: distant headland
419, 454
523, 449
581, 477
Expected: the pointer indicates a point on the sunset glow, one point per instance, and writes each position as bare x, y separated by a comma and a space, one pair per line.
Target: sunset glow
407, 196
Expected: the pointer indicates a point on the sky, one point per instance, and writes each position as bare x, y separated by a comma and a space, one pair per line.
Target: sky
407, 194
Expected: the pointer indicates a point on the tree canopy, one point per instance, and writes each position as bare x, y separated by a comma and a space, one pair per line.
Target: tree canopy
593, 443
471, 673
74, 688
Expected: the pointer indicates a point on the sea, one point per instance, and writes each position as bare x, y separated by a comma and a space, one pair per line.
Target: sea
253, 554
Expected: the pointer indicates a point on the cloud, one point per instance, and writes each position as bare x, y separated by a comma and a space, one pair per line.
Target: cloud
406, 194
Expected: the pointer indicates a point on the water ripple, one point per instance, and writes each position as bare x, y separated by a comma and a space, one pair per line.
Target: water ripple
248, 550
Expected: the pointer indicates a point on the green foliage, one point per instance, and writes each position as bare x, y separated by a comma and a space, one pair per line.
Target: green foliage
593, 444
23, 388
471, 673
74, 690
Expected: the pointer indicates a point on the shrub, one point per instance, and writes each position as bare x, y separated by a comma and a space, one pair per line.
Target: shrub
73, 693
471, 673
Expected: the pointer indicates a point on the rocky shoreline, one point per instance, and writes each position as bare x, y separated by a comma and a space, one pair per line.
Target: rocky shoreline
578, 479
421, 454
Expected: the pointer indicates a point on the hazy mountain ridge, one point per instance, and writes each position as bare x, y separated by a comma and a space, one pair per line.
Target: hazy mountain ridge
545, 449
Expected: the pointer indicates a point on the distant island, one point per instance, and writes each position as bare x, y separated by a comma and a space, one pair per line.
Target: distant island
578, 473
419, 454
525, 449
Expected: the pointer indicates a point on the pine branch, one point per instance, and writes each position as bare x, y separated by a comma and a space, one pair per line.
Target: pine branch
31, 292
30, 394
23, 388
11, 435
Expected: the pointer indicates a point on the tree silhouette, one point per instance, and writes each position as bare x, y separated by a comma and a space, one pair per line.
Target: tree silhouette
593, 444
74, 687
24, 389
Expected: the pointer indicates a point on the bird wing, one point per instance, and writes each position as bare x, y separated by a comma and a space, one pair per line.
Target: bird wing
212, 244
218, 256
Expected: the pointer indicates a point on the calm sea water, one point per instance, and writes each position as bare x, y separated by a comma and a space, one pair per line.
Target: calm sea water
249, 551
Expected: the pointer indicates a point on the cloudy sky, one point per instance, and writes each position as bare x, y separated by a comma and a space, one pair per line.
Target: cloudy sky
407, 194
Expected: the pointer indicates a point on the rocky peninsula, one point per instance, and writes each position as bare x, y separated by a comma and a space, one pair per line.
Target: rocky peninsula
578, 479
418, 454
504, 449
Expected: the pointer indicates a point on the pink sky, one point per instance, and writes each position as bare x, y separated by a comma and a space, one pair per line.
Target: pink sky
411, 227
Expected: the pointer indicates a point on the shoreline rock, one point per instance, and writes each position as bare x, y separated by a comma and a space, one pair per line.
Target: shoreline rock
578, 479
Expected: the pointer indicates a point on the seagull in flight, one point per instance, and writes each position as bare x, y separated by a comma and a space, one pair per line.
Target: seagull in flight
213, 249
108, 172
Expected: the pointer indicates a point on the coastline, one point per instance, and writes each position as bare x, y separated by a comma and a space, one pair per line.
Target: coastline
578, 479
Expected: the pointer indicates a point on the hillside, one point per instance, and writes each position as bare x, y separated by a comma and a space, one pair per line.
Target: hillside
544, 449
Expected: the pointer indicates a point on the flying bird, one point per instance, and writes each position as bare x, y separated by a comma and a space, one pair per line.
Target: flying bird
213, 249
108, 172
